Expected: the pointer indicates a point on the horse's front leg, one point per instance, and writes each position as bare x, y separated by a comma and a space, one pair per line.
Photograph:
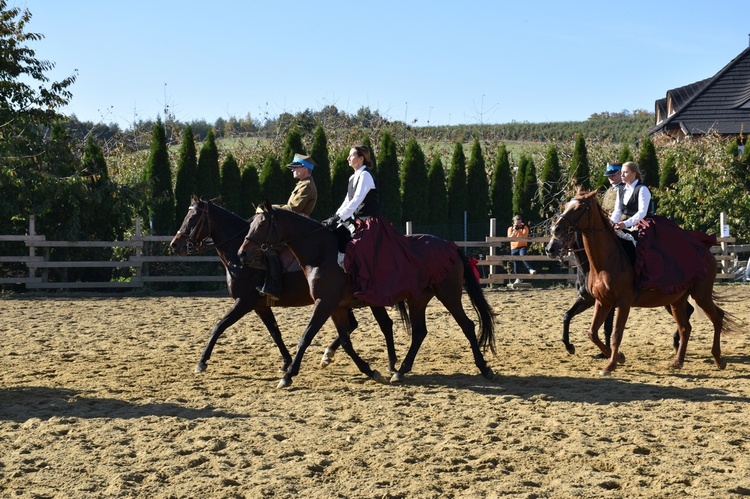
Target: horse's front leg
239, 309
600, 313
320, 314
621, 318
584, 302
340, 318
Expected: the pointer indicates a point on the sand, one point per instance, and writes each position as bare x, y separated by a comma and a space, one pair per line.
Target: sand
98, 399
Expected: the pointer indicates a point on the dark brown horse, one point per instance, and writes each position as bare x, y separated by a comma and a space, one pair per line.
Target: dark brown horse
207, 221
612, 282
316, 249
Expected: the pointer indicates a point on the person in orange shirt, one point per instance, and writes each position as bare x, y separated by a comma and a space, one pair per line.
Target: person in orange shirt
519, 229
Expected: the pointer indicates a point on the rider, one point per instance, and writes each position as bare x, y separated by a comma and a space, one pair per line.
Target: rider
302, 201
370, 249
633, 201
614, 175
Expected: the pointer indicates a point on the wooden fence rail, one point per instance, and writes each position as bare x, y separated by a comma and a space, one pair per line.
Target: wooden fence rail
494, 265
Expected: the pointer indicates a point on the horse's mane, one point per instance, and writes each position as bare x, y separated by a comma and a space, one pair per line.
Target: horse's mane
592, 197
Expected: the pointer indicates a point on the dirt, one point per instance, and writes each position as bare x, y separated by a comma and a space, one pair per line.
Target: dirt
98, 399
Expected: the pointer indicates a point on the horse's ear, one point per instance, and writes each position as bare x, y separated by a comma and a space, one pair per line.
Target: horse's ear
266, 205
195, 198
581, 191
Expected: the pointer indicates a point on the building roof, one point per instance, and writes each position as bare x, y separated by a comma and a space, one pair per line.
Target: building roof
718, 104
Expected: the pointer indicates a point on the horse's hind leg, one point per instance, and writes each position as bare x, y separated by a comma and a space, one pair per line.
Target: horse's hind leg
684, 329
716, 315
452, 302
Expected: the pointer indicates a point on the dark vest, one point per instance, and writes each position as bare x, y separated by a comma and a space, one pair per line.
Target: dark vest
370, 207
631, 207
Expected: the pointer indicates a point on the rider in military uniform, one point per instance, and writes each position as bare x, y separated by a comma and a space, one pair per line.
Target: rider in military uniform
302, 201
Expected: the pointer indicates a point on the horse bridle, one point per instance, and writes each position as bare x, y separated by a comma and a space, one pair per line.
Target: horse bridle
202, 246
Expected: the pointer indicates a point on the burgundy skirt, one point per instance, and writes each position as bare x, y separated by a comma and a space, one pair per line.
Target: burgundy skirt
668, 257
386, 267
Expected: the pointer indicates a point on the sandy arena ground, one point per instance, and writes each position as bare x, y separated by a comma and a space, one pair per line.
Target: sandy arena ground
98, 399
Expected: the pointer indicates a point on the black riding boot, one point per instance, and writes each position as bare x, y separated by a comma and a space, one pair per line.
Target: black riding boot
272, 286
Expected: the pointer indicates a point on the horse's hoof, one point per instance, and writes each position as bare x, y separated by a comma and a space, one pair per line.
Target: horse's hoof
676, 366
489, 374
571, 349
284, 382
621, 359
325, 361
604, 372
722, 364
379, 377
200, 367
397, 377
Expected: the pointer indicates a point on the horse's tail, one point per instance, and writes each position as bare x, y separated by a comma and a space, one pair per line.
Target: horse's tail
405, 319
482, 308
730, 322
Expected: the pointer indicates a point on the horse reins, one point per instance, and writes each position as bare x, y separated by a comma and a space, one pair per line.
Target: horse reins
201, 247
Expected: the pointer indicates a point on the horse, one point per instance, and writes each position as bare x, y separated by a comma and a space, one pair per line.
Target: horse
207, 221
612, 282
584, 301
316, 248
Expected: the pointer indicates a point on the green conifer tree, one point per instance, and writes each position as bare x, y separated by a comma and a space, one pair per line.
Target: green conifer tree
339, 179
648, 163
230, 184
414, 185
388, 181
250, 191
531, 187
209, 176
293, 145
519, 185
271, 180
187, 175
580, 173
668, 177
324, 207
157, 173
625, 154
477, 183
437, 195
501, 188
457, 191
373, 157
551, 190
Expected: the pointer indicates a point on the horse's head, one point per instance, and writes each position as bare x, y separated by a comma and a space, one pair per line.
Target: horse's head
262, 236
195, 229
577, 216
555, 248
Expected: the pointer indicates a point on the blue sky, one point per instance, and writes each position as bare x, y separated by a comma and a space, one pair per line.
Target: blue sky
437, 62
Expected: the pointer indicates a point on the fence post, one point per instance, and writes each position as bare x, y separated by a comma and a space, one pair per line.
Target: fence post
722, 223
32, 249
139, 250
409, 228
493, 249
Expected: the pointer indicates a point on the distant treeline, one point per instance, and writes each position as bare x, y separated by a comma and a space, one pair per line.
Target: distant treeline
621, 127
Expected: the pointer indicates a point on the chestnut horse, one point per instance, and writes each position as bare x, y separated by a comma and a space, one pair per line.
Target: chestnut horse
612, 282
584, 301
315, 247
206, 220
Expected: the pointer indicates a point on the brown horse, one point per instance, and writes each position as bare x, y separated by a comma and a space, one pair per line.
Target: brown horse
207, 221
612, 282
315, 248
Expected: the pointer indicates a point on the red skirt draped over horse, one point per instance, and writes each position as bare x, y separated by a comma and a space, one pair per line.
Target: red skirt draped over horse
387, 267
668, 257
